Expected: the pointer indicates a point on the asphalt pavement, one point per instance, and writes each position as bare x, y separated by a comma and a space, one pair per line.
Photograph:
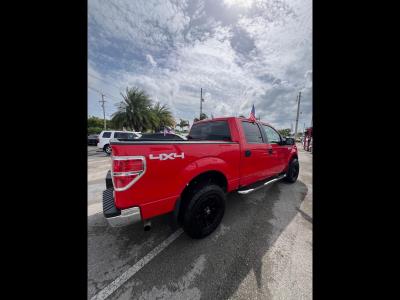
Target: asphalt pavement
261, 250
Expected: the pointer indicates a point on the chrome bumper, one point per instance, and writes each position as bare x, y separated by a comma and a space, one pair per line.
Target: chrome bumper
127, 217
116, 217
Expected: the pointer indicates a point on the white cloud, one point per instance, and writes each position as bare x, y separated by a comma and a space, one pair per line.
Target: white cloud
151, 60
239, 3
264, 58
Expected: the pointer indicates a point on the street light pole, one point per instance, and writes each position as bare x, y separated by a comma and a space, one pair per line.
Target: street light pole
104, 111
297, 117
201, 102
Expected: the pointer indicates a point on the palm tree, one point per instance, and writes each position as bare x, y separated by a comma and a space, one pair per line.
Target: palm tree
135, 111
162, 116
202, 117
182, 123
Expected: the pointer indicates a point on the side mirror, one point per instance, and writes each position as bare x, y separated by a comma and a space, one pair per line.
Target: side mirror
289, 141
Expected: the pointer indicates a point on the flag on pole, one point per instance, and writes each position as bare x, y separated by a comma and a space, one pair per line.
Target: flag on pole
253, 114
168, 130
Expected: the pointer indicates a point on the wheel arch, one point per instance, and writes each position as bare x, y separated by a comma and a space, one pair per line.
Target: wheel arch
207, 177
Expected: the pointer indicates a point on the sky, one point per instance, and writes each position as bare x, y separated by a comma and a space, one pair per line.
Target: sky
241, 52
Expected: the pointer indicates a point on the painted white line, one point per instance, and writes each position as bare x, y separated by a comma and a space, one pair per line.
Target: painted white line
113, 286
96, 161
100, 174
95, 209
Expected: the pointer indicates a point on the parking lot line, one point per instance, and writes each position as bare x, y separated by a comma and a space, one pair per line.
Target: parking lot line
97, 161
95, 209
113, 286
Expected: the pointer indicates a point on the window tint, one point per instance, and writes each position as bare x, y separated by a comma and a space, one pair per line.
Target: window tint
106, 134
124, 135
159, 137
252, 132
214, 131
171, 137
272, 136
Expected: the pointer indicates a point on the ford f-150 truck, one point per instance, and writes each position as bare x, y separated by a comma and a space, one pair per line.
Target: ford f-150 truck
190, 179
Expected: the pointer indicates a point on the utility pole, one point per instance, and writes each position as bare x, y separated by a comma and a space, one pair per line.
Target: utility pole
104, 110
201, 102
297, 117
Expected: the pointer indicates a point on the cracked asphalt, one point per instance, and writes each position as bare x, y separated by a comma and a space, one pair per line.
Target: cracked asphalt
261, 250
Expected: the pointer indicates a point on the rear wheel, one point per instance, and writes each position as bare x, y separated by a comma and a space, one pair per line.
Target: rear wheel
293, 171
107, 149
204, 211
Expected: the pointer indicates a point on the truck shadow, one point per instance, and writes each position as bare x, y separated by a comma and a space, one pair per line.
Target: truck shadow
264, 215
251, 225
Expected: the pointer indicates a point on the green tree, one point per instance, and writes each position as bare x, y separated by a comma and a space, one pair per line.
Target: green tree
95, 125
95, 122
113, 126
135, 112
161, 117
284, 132
202, 117
182, 124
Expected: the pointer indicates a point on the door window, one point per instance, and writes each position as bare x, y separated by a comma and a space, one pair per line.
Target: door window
252, 132
272, 136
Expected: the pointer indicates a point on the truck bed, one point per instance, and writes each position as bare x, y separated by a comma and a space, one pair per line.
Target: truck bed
168, 171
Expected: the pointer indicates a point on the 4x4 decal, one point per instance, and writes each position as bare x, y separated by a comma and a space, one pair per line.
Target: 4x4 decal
164, 156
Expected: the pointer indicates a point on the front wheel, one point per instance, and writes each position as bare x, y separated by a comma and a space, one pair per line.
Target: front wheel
204, 211
293, 171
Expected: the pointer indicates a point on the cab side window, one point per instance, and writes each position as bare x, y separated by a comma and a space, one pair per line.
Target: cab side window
272, 136
252, 132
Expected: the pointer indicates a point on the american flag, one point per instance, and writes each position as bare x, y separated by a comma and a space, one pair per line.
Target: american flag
253, 114
167, 130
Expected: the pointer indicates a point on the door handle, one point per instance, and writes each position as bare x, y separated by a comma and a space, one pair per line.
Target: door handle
247, 153
270, 151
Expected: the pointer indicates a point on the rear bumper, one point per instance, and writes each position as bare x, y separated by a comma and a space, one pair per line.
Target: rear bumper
117, 217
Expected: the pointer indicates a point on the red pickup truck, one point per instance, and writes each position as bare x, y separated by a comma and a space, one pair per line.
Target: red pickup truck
190, 178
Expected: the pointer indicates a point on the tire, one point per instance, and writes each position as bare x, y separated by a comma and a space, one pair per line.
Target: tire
204, 211
293, 171
107, 149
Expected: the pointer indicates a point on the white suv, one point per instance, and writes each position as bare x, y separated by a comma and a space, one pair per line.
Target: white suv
106, 135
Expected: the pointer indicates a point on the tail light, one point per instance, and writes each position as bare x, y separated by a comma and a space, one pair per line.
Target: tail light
126, 170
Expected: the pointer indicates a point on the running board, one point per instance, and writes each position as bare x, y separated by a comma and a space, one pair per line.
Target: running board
244, 192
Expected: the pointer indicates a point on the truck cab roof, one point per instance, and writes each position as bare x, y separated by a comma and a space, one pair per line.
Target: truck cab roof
228, 118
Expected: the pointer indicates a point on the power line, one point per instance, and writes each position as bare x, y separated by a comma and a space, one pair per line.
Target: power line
102, 102
119, 88
94, 90
106, 94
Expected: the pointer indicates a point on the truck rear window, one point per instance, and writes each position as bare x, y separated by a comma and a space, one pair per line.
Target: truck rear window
124, 135
211, 131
